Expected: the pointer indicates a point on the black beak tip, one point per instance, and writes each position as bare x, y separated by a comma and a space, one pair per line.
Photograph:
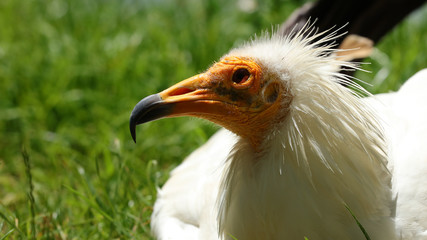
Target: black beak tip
148, 109
132, 127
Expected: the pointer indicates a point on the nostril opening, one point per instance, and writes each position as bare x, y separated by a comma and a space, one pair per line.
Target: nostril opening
180, 91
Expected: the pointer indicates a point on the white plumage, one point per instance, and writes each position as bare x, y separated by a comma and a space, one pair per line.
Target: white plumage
325, 149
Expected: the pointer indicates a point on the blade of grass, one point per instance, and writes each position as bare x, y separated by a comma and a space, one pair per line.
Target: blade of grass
358, 223
7, 234
233, 237
30, 192
10, 223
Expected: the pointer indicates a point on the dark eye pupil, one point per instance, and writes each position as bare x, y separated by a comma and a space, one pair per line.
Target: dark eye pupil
241, 75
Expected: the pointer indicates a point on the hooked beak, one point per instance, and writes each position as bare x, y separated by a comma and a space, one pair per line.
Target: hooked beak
148, 109
191, 97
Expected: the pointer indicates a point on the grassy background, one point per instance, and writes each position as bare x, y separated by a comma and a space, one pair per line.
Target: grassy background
71, 72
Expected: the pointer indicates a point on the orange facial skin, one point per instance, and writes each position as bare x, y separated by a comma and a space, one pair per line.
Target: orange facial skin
234, 93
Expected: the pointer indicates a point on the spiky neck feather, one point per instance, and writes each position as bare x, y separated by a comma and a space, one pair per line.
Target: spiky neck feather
328, 153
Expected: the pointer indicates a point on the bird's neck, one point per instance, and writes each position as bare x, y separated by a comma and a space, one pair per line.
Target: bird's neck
310, 170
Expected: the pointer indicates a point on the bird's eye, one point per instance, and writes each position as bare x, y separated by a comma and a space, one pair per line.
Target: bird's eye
241, 75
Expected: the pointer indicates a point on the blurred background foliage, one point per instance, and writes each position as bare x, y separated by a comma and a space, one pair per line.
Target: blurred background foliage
71, 72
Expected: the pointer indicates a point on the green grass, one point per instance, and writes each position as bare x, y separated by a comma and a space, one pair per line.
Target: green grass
71, 72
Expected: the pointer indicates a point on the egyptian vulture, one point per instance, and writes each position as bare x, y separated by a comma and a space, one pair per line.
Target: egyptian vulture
300, 153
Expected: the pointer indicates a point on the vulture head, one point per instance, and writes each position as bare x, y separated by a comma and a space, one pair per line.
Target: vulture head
239, 93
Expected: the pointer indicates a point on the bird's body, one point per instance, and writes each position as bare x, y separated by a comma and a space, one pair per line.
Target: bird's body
306, 151
404, 117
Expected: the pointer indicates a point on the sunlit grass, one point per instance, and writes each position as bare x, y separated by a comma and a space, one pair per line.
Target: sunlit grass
70, 74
